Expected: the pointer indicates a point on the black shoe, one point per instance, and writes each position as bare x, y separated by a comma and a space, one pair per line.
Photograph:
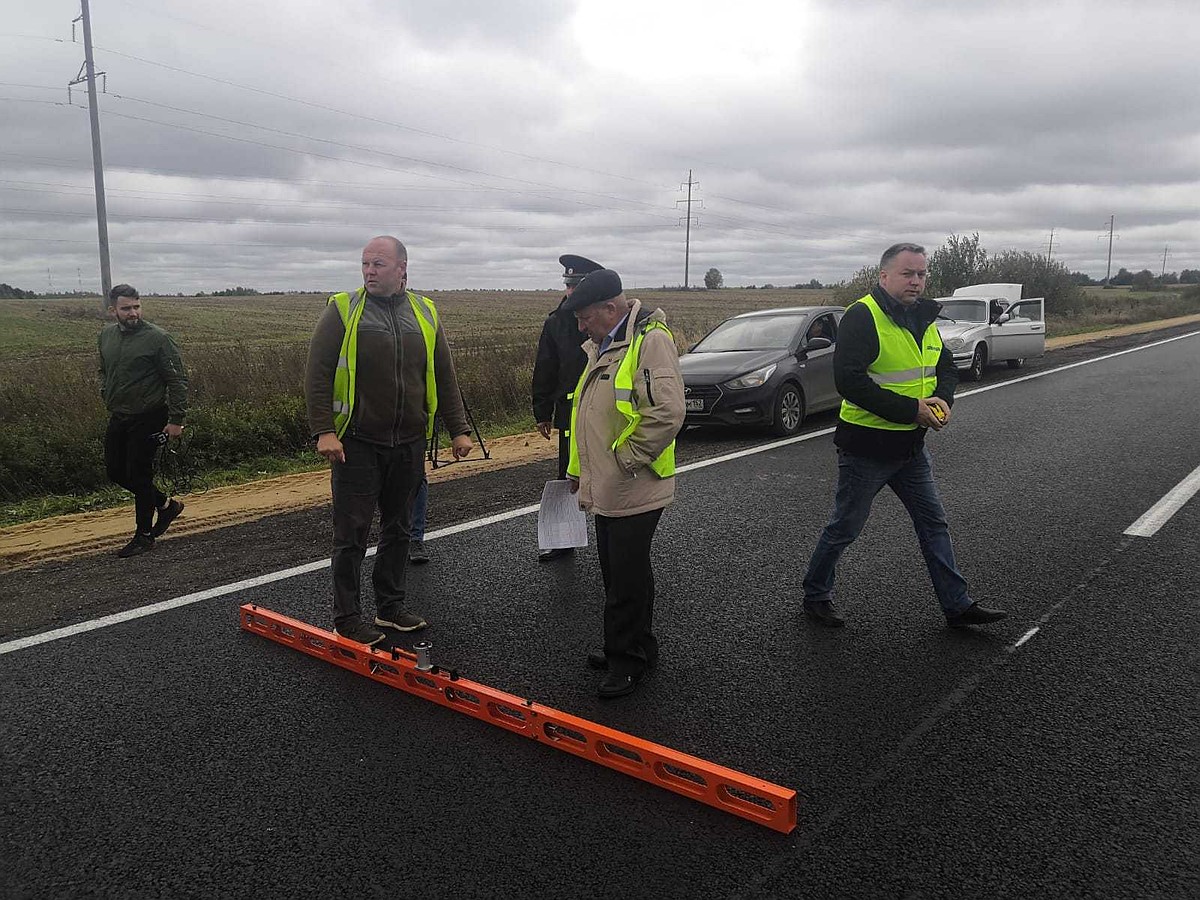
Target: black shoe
166, 516
597, 660
360, 633
976, 615
141, 543
614, 685
417, 554
401, 621
823, 612
558, 553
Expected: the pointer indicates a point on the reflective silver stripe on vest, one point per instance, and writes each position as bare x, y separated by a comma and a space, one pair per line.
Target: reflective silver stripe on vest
903, 375
625, 394
340, 407
343, 363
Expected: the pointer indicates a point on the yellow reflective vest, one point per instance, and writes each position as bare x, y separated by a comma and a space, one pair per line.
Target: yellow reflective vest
664, 464
350, 307
902, 366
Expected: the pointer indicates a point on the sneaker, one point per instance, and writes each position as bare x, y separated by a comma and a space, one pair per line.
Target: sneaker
141, 543
614, 685
166, 516
360, 633
559, 553
417, 554
401, 621
976, 615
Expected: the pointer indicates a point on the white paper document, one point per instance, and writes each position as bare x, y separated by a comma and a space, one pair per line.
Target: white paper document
561, 523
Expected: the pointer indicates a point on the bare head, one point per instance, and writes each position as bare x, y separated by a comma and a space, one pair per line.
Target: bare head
903, 269
124, 303
384, 266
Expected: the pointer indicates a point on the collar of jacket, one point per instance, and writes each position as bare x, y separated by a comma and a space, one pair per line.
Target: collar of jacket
638, 314
923, 312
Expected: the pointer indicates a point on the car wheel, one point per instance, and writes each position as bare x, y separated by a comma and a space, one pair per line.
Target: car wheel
978, 361
1016, 363
789, 411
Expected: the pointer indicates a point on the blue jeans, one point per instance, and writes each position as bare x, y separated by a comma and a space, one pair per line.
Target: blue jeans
420, 504
860, 478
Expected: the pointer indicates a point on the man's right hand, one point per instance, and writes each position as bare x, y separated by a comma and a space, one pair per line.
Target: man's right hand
927, 418
574, 484
331, 448
544, 429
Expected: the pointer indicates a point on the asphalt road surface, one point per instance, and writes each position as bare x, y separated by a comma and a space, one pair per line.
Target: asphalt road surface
1056, 754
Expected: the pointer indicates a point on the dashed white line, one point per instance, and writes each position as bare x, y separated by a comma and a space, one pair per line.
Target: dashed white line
1026, 636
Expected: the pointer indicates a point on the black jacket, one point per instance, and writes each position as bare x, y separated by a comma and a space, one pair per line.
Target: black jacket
857, 346
560, 362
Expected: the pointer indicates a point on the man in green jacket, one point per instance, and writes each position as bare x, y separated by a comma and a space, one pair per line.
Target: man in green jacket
144, 386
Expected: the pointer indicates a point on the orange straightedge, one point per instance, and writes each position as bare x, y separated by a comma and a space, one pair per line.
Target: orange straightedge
733, 792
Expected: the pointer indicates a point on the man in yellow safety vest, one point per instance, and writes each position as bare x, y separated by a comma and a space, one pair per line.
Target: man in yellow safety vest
379, 369
625, 413
897, 382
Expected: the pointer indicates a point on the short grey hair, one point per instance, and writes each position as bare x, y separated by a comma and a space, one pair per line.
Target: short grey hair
896, 249
401, 251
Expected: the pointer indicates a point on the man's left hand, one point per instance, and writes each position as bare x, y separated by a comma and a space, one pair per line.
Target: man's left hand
173, 431
461, 446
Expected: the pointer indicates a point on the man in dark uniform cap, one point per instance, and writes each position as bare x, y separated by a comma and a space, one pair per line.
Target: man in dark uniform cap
560, 362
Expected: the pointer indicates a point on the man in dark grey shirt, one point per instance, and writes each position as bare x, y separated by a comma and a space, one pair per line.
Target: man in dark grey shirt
370, 407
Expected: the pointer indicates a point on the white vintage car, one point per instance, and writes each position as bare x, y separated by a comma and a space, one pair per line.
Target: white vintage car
990, 323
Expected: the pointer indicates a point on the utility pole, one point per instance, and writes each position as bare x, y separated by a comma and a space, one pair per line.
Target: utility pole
1050, 250
1108, 270
89, 67
687, 244
1163, 274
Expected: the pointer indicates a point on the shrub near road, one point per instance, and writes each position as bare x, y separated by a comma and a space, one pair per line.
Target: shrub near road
245, 359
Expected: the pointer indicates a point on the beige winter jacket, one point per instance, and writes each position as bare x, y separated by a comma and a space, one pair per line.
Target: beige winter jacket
621, 483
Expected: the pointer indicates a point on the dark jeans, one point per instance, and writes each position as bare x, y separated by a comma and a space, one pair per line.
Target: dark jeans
129, 457
860, 478
623, 543
420, 505
373, 474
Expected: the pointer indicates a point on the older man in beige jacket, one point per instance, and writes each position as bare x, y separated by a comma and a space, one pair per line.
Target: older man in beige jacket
626, 411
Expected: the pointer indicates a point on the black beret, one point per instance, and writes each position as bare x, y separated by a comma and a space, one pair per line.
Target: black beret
601, 285
575, 267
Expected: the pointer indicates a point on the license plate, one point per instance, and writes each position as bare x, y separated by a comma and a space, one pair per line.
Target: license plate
694, 405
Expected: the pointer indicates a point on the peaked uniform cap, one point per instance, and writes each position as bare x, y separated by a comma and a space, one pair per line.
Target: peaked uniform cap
575, 267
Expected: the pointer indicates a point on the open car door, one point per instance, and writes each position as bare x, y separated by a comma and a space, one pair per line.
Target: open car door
1021, 331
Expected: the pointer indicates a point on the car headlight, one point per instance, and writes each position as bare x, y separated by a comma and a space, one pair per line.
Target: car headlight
955, 344
757, 378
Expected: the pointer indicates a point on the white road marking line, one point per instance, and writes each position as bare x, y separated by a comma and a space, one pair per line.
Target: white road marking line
1156, 516
188, 599
1026, 636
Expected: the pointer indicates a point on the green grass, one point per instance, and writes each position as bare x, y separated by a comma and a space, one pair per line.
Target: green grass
246, 356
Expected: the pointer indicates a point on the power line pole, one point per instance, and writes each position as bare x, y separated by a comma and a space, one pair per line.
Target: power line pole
1163, 274
1050, 250
89, 67
1108, 270
687, 243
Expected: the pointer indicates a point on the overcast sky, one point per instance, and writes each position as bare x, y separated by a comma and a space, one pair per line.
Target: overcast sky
262, 143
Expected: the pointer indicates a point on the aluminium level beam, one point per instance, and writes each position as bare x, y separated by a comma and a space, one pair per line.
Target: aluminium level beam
725, 789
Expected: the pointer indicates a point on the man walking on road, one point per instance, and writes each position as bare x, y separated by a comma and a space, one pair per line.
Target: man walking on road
144, 386
379, 369
627, 409
897, 381
560, 361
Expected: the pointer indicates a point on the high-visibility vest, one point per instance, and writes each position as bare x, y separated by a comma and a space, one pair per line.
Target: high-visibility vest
664, 464
350, 308
902, 366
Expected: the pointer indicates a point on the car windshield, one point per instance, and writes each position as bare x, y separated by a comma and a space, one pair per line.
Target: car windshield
751, 333
964, 310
